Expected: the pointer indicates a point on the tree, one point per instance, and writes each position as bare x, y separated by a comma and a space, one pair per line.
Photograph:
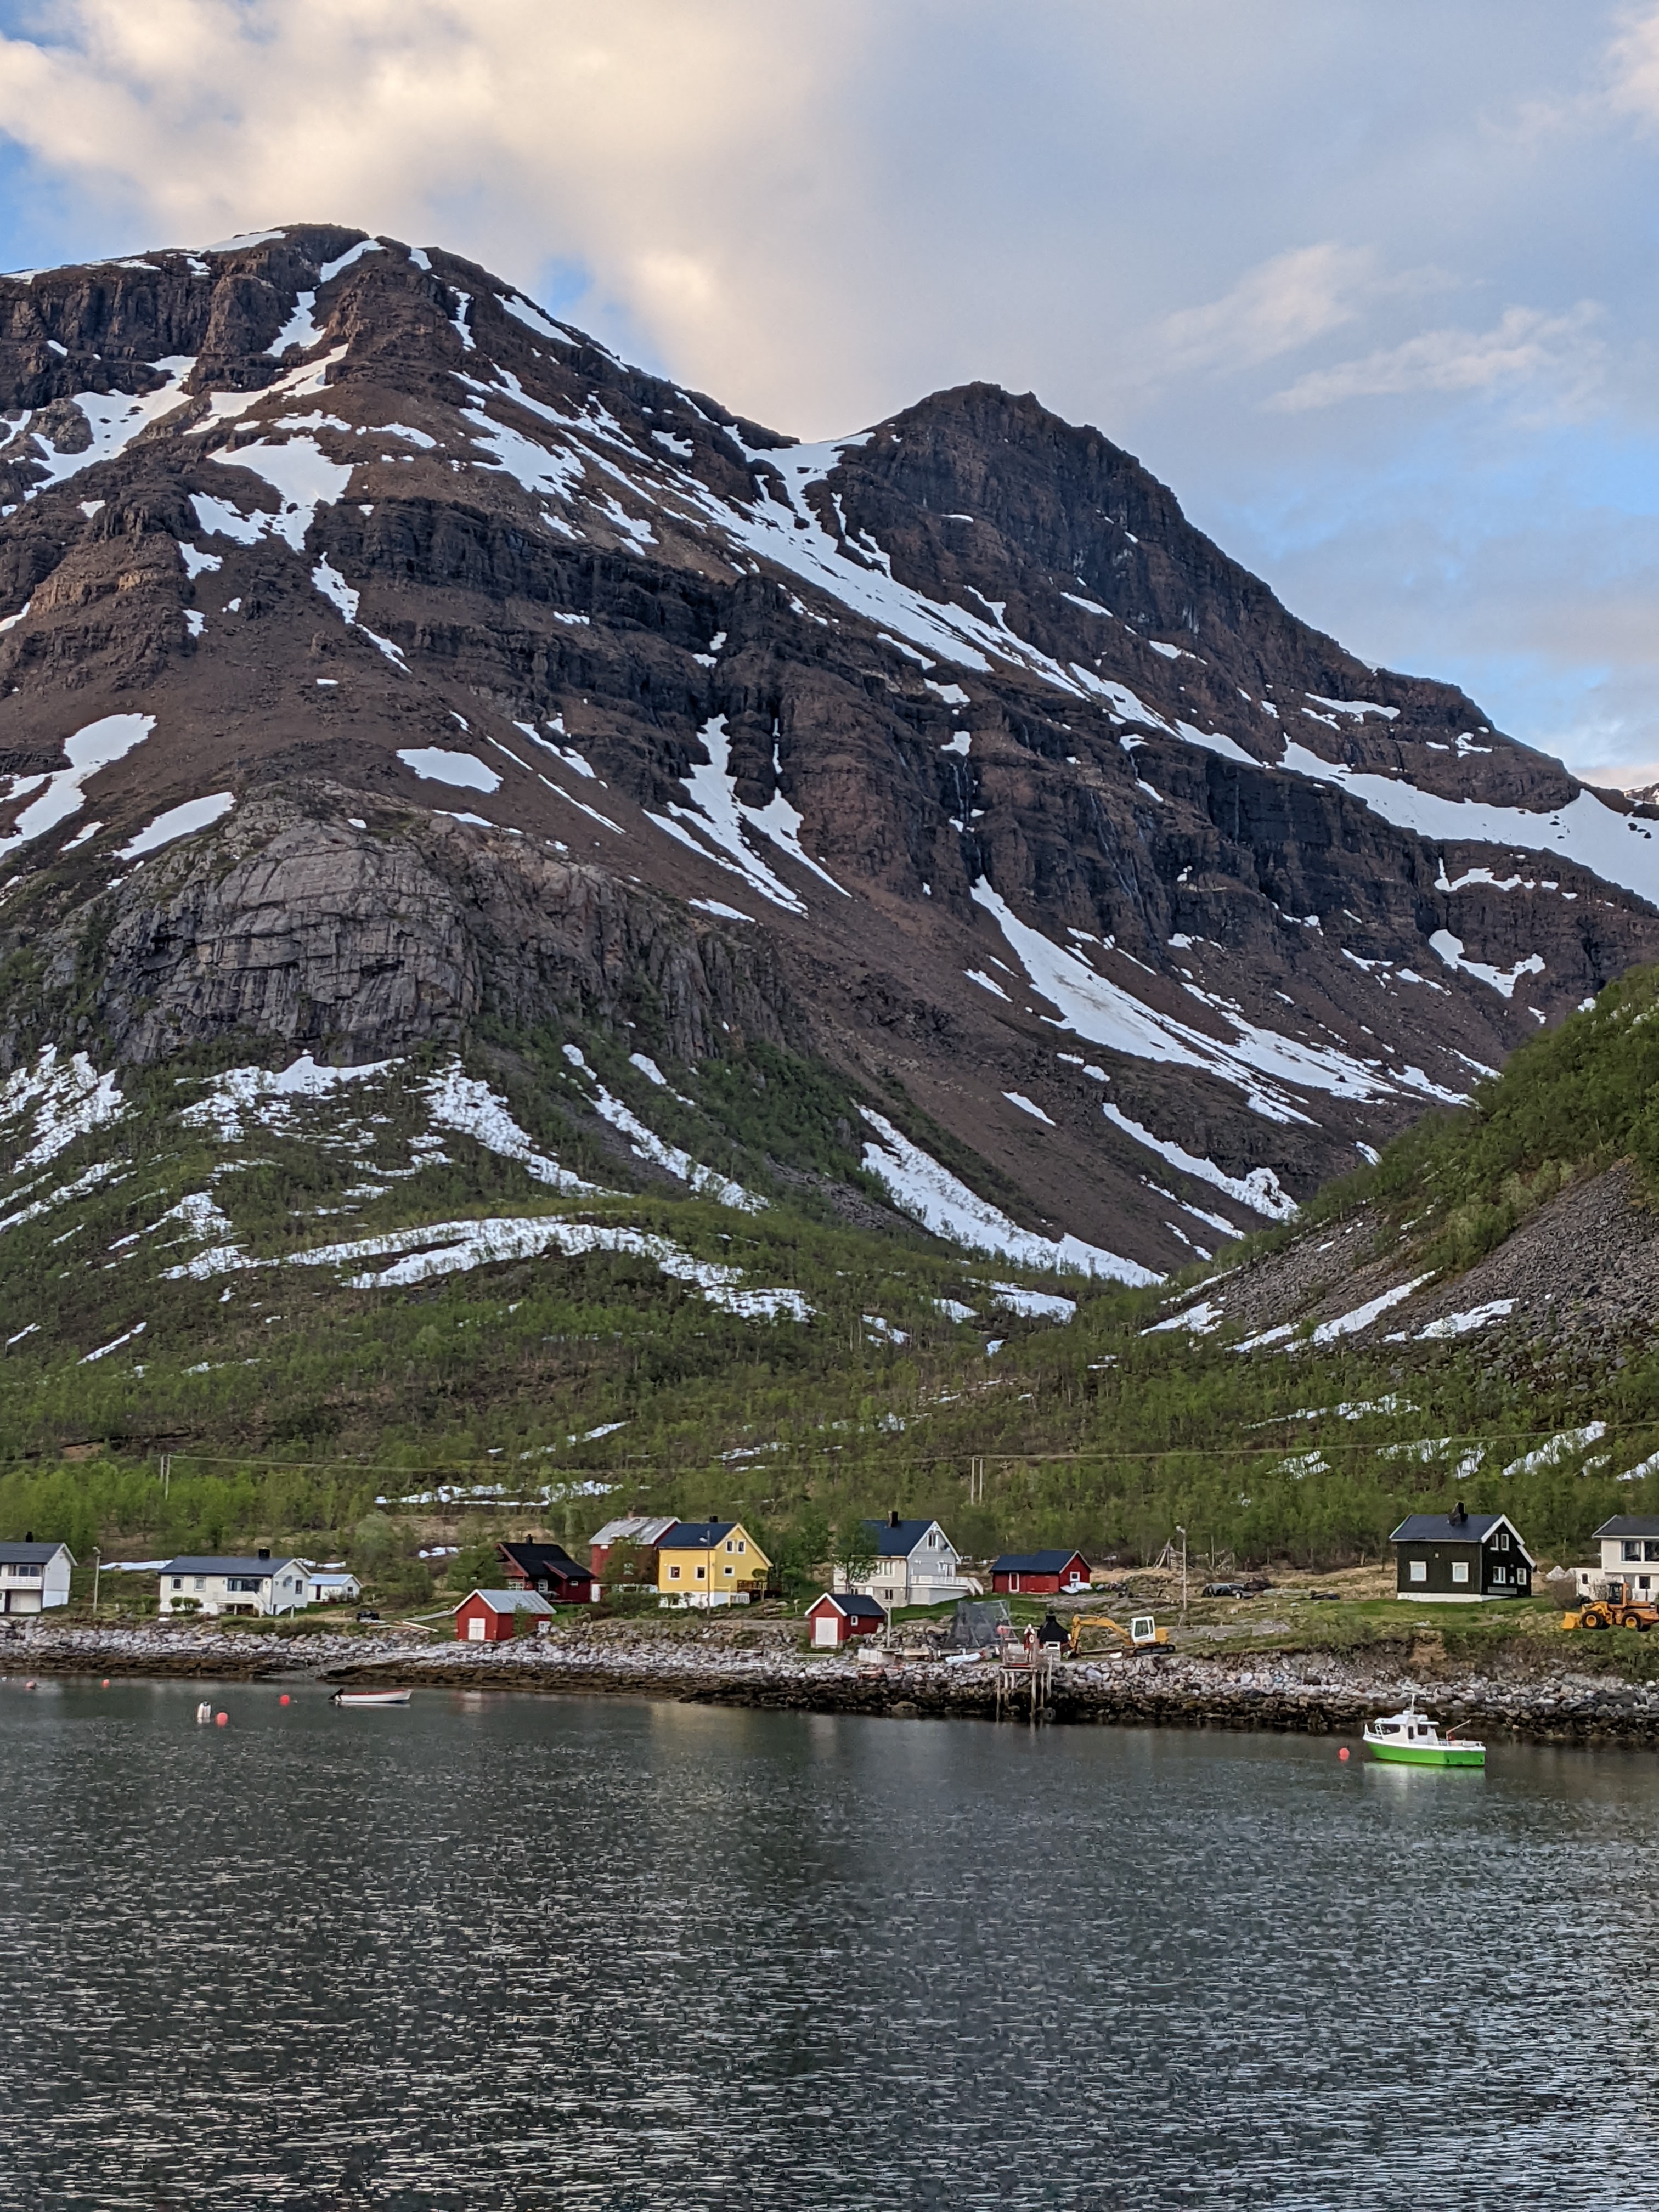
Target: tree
856, 1551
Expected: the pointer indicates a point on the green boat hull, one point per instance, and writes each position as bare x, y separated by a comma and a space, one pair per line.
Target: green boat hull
1414, 1755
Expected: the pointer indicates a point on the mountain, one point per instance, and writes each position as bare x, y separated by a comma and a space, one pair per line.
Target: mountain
471, 805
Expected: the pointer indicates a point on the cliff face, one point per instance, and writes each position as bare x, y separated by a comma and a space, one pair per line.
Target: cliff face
380, 659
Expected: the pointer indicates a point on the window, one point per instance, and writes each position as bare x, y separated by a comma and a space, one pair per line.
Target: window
1419, 1571
731, 1571
178, 1582
1502, 1539
742, 1547
728, 1543
1630, 1550
1500, 1574
700, 1574
1650, 1549
673, 1574
1460, 1570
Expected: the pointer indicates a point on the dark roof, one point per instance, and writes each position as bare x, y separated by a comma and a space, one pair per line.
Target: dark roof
1622, 1524
209, 1565
1034, 1563
853, 1604
551, 1561
30, 1555
695, 1535
1441, 1528
898, 1543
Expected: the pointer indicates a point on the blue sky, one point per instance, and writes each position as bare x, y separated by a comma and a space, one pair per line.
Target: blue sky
1371, 287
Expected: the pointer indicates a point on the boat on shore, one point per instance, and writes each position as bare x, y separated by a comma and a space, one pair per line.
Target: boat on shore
1412, 1739
374, 1698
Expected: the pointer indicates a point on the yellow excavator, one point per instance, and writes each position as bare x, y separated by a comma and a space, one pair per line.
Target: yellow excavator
1142, 1634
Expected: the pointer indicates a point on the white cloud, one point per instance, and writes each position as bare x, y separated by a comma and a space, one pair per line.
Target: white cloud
1274, 308
1526, 344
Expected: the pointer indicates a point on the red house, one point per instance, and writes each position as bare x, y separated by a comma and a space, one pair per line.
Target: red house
839, 1615
492, 1616
1039, 1574
549, 1571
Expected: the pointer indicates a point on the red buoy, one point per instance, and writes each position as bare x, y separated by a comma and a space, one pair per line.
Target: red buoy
31, 1685
103, 1684
1343, 1753
221, 1719
282, 1700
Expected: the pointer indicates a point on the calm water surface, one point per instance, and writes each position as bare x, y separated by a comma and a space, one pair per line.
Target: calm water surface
496, 1952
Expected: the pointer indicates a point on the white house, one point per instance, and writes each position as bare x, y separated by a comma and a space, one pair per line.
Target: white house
332, 1586
1629, 1557
33, 1577
916, 1563
259, 1585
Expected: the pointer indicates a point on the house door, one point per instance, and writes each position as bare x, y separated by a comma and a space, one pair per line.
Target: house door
824, 1630
477, 1629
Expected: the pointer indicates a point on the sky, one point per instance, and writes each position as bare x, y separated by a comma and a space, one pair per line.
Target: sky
1369, 282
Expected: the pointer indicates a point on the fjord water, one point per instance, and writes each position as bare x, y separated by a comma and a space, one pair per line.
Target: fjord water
526, 1952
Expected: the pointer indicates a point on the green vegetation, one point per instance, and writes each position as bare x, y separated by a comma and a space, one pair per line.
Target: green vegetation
549, 1392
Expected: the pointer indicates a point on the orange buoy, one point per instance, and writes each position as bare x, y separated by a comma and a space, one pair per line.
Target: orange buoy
103, 1684
31, 1685
1343, 1753
221, 1719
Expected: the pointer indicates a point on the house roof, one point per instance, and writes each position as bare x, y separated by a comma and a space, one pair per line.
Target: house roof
647, 1528
898, 1543
510, 1600
210, 1565
852, 1603
1622, 1524
31, 1555
1441, 1528
1034, 1563
329, 1576
695, 1535
544, 1559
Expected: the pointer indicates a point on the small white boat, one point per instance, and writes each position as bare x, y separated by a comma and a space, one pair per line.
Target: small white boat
371, 1696
1410, 1739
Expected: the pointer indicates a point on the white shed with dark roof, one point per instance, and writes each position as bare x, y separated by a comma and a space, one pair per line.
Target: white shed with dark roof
1460, 1558
33, 1577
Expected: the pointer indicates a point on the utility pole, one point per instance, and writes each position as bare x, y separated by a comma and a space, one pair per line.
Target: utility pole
1181, 1532
97, 1570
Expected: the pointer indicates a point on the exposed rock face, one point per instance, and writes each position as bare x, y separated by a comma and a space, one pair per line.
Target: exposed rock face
529, 681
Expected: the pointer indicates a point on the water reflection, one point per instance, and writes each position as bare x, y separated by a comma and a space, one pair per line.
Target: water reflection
492, 1951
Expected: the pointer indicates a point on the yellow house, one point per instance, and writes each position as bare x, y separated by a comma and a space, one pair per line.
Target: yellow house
710, 1563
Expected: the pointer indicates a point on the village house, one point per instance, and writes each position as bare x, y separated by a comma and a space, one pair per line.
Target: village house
332, 1586
492, 1616
634, 1539
1460, 1558
916, 1563
839, 1615
549, 1571
1628, 1570
33, 1577
1039, 1574
258, 1584
710, 1563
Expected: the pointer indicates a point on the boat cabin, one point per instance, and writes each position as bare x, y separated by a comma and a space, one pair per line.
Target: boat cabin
1460, 1557
839, 1615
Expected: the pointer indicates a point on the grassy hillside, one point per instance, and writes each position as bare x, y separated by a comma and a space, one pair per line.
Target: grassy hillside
778, 1361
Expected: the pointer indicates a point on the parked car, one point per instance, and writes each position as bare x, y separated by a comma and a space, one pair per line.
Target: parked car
1223, 1590
368, 1613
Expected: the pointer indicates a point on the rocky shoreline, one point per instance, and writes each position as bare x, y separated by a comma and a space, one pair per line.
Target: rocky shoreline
768, 1668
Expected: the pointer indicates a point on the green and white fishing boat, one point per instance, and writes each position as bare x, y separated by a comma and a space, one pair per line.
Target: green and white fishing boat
1410, 1739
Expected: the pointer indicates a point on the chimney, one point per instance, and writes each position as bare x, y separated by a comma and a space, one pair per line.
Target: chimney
1458, 1515
893, 1519
264, 1550
29, 1535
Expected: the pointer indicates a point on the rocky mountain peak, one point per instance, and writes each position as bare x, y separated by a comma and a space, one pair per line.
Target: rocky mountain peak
384, 664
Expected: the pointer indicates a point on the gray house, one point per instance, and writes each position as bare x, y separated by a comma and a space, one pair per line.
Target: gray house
33, 1577
1460, 1558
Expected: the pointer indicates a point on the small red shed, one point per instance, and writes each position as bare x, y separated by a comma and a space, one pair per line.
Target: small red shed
1039, 1574
838, 1615
492, 1616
